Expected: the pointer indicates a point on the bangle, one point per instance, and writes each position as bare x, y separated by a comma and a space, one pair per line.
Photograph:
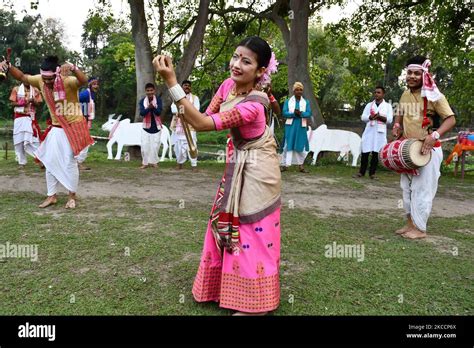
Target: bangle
435, 135
177, 93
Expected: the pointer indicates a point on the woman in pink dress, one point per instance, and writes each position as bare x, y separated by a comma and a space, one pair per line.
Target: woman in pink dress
240, 261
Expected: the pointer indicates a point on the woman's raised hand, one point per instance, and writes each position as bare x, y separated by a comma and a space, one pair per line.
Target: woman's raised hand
164, 66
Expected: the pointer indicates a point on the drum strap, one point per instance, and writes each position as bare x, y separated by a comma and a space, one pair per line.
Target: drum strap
426, 121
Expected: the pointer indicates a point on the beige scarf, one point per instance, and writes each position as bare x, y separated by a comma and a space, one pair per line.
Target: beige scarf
251, 186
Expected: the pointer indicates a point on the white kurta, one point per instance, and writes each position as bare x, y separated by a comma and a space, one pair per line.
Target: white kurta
181, 149
22, 130
179, 141
289, 158
420, 190
375, 133
83, 155
61, 166
192, 98
23, 139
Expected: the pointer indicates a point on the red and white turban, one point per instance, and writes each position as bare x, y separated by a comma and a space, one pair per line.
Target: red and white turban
428, 88
58, 87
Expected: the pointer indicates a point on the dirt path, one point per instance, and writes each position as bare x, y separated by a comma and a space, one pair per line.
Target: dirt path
324, 196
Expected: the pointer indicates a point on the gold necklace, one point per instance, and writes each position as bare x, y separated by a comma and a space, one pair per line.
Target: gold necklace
234, 92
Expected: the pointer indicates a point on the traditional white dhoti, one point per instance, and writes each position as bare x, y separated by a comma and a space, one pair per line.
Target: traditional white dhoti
181, 148
56, 154
420, 190
149, 147
23, 139
289, 158
83, 155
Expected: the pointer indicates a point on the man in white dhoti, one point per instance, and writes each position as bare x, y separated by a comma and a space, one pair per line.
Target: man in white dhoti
178, 137
377, 115
26, 131
413, 119
150, 110
68, 134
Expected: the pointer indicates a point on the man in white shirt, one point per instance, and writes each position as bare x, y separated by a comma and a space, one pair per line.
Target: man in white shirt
178, 137
377, 114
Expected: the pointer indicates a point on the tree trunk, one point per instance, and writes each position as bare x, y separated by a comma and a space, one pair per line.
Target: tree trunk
143, 54
161, 29
186, 64
143, 59
298, 69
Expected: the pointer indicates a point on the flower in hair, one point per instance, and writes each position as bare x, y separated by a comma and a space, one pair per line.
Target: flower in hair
271, 69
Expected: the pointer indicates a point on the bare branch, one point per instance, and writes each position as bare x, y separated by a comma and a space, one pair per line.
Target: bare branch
181, 32
161, 28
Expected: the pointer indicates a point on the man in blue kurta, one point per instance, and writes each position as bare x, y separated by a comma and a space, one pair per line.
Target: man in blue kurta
87, 100
150, 109
296, 111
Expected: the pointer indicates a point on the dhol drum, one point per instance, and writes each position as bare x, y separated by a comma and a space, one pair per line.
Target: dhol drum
404, 156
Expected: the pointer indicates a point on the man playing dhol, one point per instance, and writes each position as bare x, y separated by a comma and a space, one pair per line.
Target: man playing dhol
417, 105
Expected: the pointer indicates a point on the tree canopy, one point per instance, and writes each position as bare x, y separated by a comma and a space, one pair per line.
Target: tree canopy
340, 63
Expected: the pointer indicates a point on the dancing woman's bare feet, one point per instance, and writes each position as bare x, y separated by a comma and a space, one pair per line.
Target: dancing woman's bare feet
50, 200
144, 166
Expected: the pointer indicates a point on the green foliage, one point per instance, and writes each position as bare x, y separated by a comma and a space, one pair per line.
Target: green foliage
116, 68
438, 29
31, 39
110, 54
342, 73
84, 253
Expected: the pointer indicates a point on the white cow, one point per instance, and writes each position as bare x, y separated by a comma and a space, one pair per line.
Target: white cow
127, 133
324, 139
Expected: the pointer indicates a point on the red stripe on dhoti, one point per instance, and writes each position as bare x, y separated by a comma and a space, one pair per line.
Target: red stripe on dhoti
77, 133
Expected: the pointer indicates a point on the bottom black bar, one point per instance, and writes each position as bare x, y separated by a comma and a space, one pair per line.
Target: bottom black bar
39, 331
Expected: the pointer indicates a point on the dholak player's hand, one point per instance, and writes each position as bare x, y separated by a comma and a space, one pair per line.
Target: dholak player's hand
396, 132
428, 144
164, 66
4, 65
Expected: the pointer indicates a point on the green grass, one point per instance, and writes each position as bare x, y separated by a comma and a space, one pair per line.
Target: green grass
82, 254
